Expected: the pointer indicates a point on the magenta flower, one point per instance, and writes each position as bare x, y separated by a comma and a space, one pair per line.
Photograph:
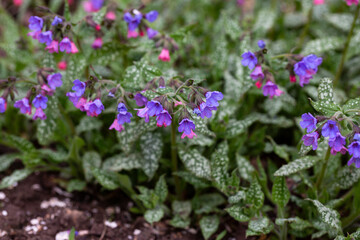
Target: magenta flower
53, 47
257, 73
24, 106
115, 125
110, 16
54, 80
74, 49
163, 119
132, 34
94, 108
65, 45
164, 55
293, 79
269, 89
39, 114
191, 135
311, 139
143, 113
93, 5
40, 101
97, 43
319, 2
308, 121
351, 2
81, 104
34, 35
3, 105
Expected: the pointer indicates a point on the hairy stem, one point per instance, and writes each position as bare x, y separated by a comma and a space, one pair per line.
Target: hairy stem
347, 43
323, 169
174, 160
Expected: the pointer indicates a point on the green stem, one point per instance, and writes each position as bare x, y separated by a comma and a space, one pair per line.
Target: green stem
350, 219
306, 28
323, 169
174, 160
344, 198
343, 57
281, 214
67, 119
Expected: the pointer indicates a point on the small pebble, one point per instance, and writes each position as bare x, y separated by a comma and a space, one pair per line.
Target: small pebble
2, 196
111, 224
137, 232
34, 221
4, 213
2, 233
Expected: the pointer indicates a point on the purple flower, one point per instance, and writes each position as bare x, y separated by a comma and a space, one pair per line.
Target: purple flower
269, 89
133, 21
56, 21
151, 16
354, 149
357, 137
98, 42
121, 107
311, 139
343, 151
154, 108
354, 160
212, 98
306, 68
338, 142
39, 113
97, 4
115, 125
300, 68
81, 104
140, 99
163, 119
249, 59
257, 73
197, 111
54, 80
40, 101
73, 97
35, 23
308, 121
2, 105
305, 79
143, 113
79, 87
124, 117
205, 110
330, 129
312, 61
94, 108
110, 94
151, 33
65, 45
186, 126
23, 105
261, 44
45, 37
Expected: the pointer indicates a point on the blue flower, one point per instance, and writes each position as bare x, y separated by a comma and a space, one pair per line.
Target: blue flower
65, 45
357, 137
97, 4
354, 160
133, 21
2, 105
308, 121
261, 44
338, 142
197, 111
79, 87
124, 117
54, 80
140, 99
330, 129
163, 119
186, 126
311, 139
35, 23
23, 105
354, 149
94, 108
206, 111
151, 16
56, 21
40, 101
45, 37
154, 108
249, 59
212, 98
121, 107
151, 33
73, 97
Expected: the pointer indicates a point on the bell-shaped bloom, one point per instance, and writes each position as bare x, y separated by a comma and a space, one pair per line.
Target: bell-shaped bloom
213, 98
73, 97
269, 89
186, 126
45, 37
121, 107
163, 119
330, 129
308, 122
3, 105
53, 47
140, 99
164, 55
93, 5
62, 65
81, 104
35, 23
123, 115
46, 90
54, 80
97, 43
56, 21
191, 135
115, 125
154, 107
343, 151
151, 16
65, 45
40, 101
132, 34
311, 139
79, 87
197, 111
261, 44
24, 106
110, 16
34, 35
132, 21
18, 3
354, 149
249, 60
258, 84
357, 137
74, 49
354, 160
293, 78
39, 114
257, 73
351, 2
143, 113
151, 33
206, 111
338, 142
94, 108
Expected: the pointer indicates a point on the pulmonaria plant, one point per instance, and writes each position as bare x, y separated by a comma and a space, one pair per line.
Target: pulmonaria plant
135, 20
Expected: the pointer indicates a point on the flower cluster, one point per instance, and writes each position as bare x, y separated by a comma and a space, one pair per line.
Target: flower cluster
306, 68
134, 20
52, 36
330, 129
351, 2
93, 5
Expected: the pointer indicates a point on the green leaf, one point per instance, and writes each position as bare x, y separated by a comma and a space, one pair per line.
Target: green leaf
207, 203
209, 225
244, 167
254, 194
139, 74
154, 215
192, 179
72, 234
325, 104
181, 208
296, 223
280, 192
75, 185
90, 160
46, 128
219, 166
55, 156
265, 20
347, 177
161, 189
6, 160
107, 179
201, 126
319, 46
179, 222
259, 226
121, 162
279, 150
329, 216
48, 60
108, 53
239, 196
237, 212
15, 177
297, 165
352, 107
19, 143
98, 17
88, 124
151, 145
195, 163
238, 127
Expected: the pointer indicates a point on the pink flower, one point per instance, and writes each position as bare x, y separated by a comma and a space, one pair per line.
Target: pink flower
39, 113
62, 65
97, 43
258, 84
34, 35
110, 16
177, 103
98, 27
164, 55
278, 92
191, 135
257, 73
81, 104
351, 2
319, 2
17, 2
53, 47
132, 34
47, 90
293, 78
74, 49
115, 125
343, 151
